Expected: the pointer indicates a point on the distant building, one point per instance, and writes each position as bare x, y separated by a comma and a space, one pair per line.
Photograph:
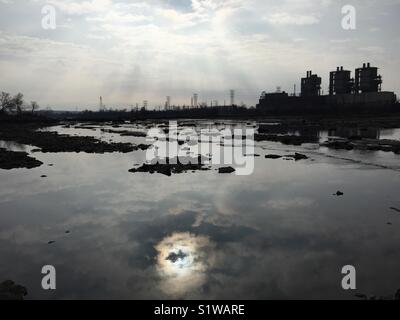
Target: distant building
340, 82
274, 98
311, 85
360, 94
367, 79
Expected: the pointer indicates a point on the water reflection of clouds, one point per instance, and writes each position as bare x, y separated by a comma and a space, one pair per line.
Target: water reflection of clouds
285, 204
278, 233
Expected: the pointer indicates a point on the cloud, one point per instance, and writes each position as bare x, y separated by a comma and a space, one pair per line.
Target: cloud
82, 7
291, 19
151, 49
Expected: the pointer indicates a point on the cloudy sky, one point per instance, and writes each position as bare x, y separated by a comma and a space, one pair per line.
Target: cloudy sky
130, 51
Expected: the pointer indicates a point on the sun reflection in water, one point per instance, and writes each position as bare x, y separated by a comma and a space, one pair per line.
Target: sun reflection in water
182, 262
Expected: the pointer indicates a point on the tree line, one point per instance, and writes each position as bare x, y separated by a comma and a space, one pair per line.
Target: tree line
15, 104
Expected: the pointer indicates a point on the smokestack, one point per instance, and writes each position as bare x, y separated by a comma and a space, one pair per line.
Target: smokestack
341, 68
364, 65
338, 69
369, 65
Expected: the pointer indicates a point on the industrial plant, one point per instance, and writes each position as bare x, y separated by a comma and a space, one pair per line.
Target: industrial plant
363, 93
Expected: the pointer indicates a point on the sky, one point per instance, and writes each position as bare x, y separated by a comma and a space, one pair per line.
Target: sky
130, 51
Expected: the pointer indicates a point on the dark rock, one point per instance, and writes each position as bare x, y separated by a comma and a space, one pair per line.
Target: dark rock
143, 146
226, 170
51, 242
395, 209
173, 166
364, 144
339, 193
13, 160
273, 156
397, 295
126, 133
286, 139
297, 156
336, 144
53, 142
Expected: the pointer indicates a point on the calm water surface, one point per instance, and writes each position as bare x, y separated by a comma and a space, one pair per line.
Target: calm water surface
278, 233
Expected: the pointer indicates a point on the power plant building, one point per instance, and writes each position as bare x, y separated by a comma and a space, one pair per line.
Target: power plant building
361, 93
340, 82
311, 85
367, 79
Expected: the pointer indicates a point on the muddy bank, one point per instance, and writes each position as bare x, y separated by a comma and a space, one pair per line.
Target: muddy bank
286, 139
126, 133
54, 142
174, 166
311, 123
15, 160
358, 143
296, 156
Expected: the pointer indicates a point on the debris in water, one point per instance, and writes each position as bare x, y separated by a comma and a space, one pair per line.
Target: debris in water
273, 156
226, 170
173, 167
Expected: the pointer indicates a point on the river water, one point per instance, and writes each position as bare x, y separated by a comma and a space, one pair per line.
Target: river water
277, 233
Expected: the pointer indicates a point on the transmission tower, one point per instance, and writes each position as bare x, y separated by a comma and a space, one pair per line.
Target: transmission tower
232, 94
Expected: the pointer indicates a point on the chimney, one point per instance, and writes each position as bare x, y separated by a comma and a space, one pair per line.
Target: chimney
338, 69
341, 68
368, 65
364, 65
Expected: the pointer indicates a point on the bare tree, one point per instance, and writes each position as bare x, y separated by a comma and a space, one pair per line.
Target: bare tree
17, 102
5, 102
34, 106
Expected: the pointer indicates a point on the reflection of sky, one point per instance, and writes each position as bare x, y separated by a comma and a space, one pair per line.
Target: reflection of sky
279, 233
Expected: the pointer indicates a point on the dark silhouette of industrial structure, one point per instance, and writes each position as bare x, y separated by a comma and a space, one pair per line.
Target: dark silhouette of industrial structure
311, 85
362, 93
340, 82
367, 79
